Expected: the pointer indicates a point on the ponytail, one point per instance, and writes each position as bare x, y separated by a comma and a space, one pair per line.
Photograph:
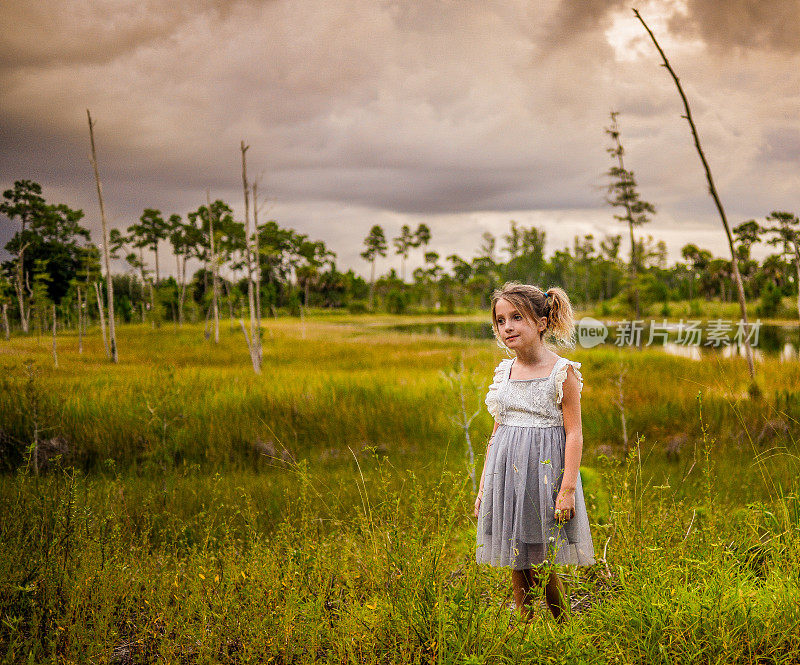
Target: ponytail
560, 318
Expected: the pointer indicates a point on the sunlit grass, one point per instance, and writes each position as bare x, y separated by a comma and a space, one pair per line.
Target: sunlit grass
190, 536
177, 398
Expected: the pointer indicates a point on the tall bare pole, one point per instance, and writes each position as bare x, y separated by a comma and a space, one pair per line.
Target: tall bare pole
258, 261
101, 309
252, 341
109, 284
215, 296
24, 316
6, 329
713, 191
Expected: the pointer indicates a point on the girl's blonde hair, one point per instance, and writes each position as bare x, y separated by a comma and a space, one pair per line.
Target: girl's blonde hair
533, 304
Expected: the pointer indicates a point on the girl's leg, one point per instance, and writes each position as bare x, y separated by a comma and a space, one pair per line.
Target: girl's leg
523, 581
557, 597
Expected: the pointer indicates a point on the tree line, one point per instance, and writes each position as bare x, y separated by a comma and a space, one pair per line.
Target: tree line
53, 262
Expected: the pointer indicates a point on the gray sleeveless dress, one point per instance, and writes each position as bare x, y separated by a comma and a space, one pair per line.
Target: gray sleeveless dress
524, 466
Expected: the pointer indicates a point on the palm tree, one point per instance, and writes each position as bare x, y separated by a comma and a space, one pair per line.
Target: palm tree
375, 244
403, 244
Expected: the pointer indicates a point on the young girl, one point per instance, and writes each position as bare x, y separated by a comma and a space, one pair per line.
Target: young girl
530, 506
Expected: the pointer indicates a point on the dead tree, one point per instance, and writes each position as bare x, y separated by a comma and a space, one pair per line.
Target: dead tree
5, 321
258, 262
252, 341
215, 290
714, 195
112, 334
101, 309
24, 315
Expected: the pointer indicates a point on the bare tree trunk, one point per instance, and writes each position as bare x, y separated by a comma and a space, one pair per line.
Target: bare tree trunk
24, 316
629, 213
100, 308
230, 303
55, 353
372, 285
144, 282
182, 300
80, 322
153, 316
109, 282
5, 321
179, 275
713, 191
214, 296
258, 262
206, 334
252, 341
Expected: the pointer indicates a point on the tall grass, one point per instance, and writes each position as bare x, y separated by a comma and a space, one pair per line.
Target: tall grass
358, 546
176, 399
377, 565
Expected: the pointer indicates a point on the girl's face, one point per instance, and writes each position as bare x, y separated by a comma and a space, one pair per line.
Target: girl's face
514, 329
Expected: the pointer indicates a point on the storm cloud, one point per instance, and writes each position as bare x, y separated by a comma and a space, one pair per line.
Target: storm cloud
462, 114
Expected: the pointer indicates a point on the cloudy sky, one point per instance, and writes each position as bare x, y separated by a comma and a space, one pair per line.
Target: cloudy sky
463, 114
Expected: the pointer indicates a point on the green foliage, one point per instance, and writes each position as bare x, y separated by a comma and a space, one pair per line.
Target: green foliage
49, 236
396, 302
357, 307
770, 300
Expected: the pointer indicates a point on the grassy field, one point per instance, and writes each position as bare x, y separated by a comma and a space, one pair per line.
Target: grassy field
322, 510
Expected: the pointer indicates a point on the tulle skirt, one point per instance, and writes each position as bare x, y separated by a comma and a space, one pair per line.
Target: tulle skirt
516, 519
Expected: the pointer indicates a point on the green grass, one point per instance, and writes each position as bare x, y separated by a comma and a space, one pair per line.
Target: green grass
189, 545
176, 399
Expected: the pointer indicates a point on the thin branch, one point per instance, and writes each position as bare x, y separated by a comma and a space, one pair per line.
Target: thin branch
711, 188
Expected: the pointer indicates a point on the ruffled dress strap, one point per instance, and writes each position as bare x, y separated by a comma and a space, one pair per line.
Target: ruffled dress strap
500, 376
561, 376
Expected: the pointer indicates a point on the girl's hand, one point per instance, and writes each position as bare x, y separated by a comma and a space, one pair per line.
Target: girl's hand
478, 504
565, 505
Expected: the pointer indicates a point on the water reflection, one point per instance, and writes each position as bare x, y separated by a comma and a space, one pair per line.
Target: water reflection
674, 349
780, 341
738, 351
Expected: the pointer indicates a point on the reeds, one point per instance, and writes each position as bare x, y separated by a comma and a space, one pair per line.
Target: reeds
358, 544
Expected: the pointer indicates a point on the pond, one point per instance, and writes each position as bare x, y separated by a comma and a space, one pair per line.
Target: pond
691, 339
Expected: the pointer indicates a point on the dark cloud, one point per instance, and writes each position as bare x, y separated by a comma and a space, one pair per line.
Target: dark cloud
572, 18
756, 24
58, 33
461, 112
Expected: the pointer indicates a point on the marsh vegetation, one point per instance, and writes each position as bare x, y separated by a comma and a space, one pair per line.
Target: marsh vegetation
182, 509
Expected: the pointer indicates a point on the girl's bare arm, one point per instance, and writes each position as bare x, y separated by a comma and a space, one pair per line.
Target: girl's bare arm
571, 408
